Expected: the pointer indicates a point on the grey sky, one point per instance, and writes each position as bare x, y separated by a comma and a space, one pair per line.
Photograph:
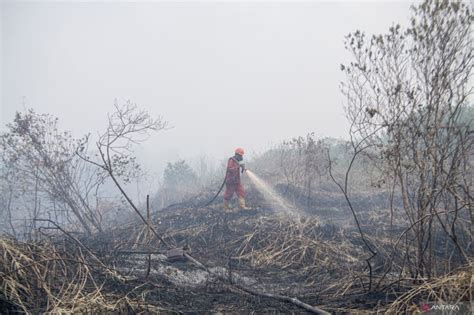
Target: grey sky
224, 74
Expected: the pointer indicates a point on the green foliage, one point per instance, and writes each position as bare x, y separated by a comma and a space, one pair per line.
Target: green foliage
179, 174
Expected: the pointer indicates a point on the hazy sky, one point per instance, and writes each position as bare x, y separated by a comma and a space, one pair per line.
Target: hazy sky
224, 74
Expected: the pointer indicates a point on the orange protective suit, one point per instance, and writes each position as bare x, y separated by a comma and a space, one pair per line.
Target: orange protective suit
232, 181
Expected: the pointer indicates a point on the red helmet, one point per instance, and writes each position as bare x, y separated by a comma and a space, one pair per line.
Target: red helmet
239, 151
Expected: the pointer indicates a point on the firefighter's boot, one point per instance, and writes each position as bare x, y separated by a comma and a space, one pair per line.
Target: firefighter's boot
242, 203
226, 205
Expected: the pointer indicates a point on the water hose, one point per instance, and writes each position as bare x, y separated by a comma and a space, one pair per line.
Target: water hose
220, 189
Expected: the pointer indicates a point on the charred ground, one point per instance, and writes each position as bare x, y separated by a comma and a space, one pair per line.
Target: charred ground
316, 259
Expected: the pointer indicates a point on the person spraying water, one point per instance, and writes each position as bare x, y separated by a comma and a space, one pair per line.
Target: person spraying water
233, 184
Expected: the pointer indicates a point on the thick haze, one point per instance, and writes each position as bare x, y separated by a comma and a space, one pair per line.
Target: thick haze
224, 74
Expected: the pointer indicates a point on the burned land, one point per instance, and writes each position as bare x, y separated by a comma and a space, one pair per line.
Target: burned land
379, 222
250, 260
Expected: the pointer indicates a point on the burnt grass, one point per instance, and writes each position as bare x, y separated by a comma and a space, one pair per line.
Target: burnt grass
214, 237
318, 258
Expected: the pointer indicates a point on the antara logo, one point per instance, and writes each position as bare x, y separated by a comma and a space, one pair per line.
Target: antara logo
439, 307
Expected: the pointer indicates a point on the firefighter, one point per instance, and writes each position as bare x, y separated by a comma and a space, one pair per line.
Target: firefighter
235, 166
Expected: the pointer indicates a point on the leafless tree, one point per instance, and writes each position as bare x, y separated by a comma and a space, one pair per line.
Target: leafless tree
7, 194
357, 148
127, 126
303, 162
41, 160
406, 95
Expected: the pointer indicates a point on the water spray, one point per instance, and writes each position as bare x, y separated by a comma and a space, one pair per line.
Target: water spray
279, 203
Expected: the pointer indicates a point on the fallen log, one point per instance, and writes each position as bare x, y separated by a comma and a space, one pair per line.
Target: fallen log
295, 301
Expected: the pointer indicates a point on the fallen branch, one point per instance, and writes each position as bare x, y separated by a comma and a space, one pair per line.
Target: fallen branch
295, 301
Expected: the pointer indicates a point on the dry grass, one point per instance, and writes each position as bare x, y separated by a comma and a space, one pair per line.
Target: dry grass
303, 247
450, 289
302, 257
40, 278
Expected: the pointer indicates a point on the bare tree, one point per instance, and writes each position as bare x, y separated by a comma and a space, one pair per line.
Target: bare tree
358, 147
303, 163
41, 159
127, 126
406, 93
7, 194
